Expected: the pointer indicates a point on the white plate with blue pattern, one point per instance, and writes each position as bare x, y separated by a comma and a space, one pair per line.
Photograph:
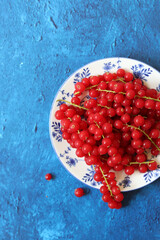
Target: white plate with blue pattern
76, 166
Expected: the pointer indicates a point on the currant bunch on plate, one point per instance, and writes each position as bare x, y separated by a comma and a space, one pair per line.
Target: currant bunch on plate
114, 129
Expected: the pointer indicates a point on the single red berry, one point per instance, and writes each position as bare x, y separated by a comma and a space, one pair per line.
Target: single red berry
112, 151
152, 166
139, 120
118, 87
66, 135
115, 190
154, 133
120, 72
136, 143
118, 167
48, 176
111, 175
130, 94
140, 158
104, 189
102, 149
113, 204
93, 93
86, 82
118, 124
79, 192
79, 152
73, 127
125, 118
119, 197
143, 168
59, 115
139, 103
119, 205
94, 80
86, 148
107, 128
92, 159
150, 104
98, 177
70, 113
128, 76
84, 135
80, 87
63, 107
129, 170
106, 142
75, 100
137, 81
136, 134
116, 158
106, 197
108, 77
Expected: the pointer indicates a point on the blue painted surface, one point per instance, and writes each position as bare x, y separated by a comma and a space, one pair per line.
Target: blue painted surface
42, 42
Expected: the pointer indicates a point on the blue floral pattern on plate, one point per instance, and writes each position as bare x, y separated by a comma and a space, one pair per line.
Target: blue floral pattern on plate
57, 134
158, 88
71, 162
141, 72
151, 174
88, 177
78, 76
126, 182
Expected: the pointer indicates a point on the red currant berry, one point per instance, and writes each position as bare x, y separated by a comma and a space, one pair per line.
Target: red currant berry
129, 170
104, 189
86, 82
63, 107
138, 120
143, 168
80, 87
75, 100
128, 76
115, 190
107, 128
59, 115
113, 204
79, 192
111, 175
154, 133
119, 197
152, 166
98, 177
94, 80
106, 197
120, 72
48, 176
84, 135
108, 77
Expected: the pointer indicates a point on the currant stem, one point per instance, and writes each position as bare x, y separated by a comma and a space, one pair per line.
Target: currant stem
61, 100
155, 99
106, 181
145, 135
103, 106
142, 162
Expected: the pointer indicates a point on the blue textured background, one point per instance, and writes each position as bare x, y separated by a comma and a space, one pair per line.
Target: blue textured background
41, 43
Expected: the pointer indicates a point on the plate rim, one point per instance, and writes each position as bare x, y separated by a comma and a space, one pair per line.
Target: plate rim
54, 100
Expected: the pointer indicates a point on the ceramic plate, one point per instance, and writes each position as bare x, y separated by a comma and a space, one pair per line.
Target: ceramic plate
76, 166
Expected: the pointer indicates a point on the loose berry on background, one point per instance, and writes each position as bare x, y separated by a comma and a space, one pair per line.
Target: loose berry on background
48, 176
79, 192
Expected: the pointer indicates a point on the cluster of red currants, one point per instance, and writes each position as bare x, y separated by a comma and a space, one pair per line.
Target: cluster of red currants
114, 129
